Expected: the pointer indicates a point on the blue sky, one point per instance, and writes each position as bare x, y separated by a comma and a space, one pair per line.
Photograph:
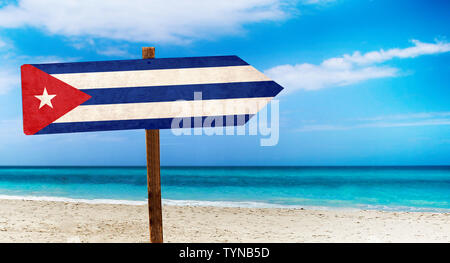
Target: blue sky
366, 82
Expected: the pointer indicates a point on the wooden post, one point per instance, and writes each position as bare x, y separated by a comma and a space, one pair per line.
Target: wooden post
153, 174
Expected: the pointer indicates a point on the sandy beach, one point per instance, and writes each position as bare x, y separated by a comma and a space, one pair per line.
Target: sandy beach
49, 221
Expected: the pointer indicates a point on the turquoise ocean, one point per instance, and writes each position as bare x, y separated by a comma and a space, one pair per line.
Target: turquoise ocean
404, 188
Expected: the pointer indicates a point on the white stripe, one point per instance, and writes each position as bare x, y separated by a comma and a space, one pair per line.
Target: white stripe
161, 77
170, 109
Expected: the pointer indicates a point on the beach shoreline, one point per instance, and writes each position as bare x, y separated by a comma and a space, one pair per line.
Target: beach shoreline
230, 204
60, 221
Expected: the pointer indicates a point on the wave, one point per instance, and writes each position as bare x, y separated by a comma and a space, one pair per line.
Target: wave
137, 202
245, 204
71, 200
229, 204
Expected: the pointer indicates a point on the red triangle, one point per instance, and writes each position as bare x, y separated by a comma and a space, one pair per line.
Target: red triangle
34, 81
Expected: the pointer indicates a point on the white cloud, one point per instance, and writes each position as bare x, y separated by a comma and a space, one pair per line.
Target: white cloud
11, 132
5, 45
142, 20
115, 52
9, 79
420, 115
317, 2
313, 77
10, 68
321, 127
418, 49
433, 122
349, 69
387, 121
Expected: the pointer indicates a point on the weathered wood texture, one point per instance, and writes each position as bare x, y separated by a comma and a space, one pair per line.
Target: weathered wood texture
153, 174
148, 52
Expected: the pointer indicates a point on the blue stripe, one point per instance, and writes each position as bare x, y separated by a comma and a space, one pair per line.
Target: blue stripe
183, 92
140, 64
135, 124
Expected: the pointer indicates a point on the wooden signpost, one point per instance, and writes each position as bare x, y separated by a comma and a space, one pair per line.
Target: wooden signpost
153, 174
142, 94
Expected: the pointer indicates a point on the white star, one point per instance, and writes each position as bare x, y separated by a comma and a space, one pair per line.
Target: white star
45, 99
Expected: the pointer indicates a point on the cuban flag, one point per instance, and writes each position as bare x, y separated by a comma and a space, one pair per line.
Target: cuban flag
140, 94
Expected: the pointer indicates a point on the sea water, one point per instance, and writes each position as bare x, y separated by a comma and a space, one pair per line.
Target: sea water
404, 188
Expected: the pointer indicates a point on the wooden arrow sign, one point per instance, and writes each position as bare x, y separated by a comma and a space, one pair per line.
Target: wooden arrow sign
140, 94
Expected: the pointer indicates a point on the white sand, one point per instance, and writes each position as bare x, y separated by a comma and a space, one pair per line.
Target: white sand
46, 221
